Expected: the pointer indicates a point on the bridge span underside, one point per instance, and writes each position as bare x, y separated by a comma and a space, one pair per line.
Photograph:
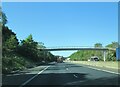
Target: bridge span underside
69, 49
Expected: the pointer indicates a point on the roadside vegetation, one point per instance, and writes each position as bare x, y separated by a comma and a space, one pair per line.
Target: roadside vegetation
19, 55
85, 55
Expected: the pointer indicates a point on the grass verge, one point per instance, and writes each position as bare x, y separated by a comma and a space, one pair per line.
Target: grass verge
107, 64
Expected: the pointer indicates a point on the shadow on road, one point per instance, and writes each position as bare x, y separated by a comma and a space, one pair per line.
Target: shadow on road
58, 79
43, 79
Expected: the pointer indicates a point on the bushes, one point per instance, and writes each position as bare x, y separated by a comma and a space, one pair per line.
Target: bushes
85, 55
20, 55
15, 62
12, 63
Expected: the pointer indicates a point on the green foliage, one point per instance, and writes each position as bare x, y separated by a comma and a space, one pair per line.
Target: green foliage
98, 45
6, 33
85, 55
13, 61
113, 45
28, 48
9, 40
17, 56
4, 19
11, 43
112, 54
9, 46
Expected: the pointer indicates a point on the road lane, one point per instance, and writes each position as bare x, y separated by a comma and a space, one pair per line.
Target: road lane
72, 74
103, 68
66, 74
33, 77
20, 77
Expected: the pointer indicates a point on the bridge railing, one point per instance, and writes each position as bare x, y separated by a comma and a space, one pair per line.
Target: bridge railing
62, 47
70, 47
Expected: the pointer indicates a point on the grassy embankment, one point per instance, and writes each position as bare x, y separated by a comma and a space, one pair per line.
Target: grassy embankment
108, 64
16, 63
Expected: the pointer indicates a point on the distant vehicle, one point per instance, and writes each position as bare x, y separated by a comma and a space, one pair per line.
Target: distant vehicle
93, 58
60, 60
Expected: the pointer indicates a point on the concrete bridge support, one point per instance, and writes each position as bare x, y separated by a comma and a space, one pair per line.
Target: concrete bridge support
104, 55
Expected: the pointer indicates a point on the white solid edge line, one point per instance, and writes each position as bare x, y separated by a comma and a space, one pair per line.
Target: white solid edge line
33, 77
103, 70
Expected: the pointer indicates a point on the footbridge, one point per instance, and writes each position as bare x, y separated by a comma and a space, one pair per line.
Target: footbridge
70, 48
75, 48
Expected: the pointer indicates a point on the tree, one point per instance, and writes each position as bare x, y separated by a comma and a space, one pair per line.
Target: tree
11, 43
3, 18
98, 45
40, 45
113, 45
112, 54
15, 53
85, 55
28, 48
9, 40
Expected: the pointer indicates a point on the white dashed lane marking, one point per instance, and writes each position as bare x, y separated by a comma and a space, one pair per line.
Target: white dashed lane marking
75, 76
66, 68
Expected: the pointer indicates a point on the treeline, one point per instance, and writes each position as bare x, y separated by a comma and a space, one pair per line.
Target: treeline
84, 55
20, 55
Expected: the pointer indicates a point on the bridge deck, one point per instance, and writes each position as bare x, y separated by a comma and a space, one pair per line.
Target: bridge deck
62, 49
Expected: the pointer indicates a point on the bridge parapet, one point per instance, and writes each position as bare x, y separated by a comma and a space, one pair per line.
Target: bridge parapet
59, 48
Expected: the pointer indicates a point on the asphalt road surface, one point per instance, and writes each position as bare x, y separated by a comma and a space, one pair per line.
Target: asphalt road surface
60, 74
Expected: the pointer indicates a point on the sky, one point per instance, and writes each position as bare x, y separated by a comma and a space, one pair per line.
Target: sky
64, 23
